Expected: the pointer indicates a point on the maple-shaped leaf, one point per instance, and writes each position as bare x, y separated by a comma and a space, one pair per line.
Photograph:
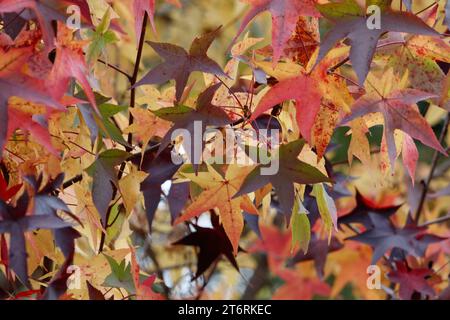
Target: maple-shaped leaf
160, 169
146, 125
16, 221
399, 112
179, 63
285, 14
5, 192
218, 193
291, 170
364, 206
411, 280
213, 243
70, 64
385, 236
318, 252
352, 23
195, 121
303, 89
418, 57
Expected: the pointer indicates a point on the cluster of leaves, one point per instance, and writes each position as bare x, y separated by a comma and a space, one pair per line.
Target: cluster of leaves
99, 201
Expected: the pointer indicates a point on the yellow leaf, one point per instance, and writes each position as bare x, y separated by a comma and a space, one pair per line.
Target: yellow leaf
130, 188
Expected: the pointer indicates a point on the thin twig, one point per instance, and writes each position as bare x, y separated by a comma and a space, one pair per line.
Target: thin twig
434, 163
116, 68
436, 221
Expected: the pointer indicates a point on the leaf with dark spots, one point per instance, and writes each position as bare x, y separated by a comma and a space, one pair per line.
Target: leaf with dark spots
399, 112
291, 170
285, 14
179, 63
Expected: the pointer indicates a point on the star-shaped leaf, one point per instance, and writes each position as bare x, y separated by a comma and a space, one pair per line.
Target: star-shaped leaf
411, 280
399, 112
385, 236
291, 170
218, 193
285, 14
352, 23
179, 63
213, 243
195, 121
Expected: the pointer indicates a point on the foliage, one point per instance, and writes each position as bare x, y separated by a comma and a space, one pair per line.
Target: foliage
102, 198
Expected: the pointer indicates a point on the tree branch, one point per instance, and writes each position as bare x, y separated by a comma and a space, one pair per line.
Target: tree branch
130, 135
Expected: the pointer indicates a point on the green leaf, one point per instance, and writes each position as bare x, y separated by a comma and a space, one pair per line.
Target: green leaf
108, 110
172, 113
301, 229
100, 38
120, 276
336, 10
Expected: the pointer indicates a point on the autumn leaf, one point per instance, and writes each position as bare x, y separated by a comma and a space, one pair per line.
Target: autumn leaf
399, 113
411, 280
213, 243
351, 23
285, 14
179, 63
195, 121
70, 63
218, 193
291, 170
